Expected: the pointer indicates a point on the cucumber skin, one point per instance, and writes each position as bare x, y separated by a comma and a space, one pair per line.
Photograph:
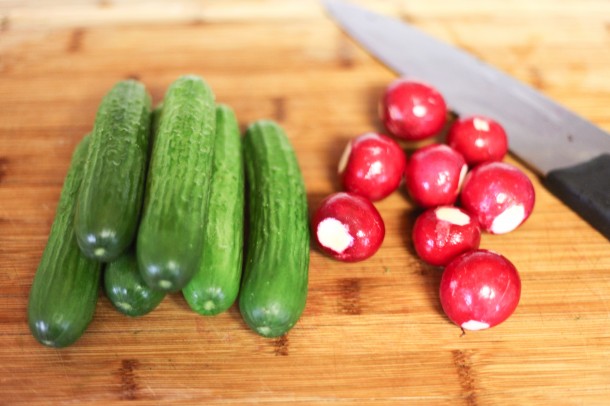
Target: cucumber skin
214, 288
274, 286
169, 241
126, 289
64, 291
110, 199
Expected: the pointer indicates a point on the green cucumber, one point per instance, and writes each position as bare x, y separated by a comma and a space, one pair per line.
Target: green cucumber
65, 288
126, 289
156, 113
170, 237
215, 286
274, 287
110, 199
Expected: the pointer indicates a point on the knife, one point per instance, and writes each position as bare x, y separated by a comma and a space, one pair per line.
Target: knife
570, 154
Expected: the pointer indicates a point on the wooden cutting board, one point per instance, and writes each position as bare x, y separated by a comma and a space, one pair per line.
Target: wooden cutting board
373, 332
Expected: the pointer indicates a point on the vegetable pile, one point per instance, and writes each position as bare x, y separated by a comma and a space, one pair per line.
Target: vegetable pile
460, 184
155, 200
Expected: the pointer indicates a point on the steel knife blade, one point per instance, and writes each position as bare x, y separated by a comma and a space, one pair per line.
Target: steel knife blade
571, 154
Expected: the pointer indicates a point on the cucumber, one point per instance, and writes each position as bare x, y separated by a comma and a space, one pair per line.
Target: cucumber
156, 113
126, 289
274, 287
64, 291
215, 286
110, 199
170, 237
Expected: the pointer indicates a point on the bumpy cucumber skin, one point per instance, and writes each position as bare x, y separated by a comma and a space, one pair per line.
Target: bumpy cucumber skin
274, 286
214, 288
169, 242
126, 289
110, 199
65, 288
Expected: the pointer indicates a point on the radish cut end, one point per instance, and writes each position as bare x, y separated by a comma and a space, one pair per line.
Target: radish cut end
480, 124
333, 234
375, 169
508, 220
463, 173
474, 325
452, 215
345, 157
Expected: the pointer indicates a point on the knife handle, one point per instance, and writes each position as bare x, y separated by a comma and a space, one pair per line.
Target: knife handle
585, 188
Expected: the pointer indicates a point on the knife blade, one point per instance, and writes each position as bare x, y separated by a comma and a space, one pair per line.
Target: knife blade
571, 154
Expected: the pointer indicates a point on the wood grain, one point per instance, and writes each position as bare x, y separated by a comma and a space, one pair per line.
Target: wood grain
372, 332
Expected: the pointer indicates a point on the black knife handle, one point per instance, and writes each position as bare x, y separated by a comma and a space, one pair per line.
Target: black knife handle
586, 189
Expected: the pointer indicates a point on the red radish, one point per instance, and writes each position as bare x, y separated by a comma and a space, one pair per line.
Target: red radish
500, 195
443, 233
434, 175
348, 227
372, 166
479, 289
413, 110
479, 139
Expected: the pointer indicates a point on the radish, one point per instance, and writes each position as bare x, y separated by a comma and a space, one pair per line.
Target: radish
434, 175
479, 139
372, 166
412, 110
479, 289
443, 233
348, 227
500, 195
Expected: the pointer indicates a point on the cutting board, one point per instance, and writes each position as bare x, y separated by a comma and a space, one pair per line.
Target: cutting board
372, 332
